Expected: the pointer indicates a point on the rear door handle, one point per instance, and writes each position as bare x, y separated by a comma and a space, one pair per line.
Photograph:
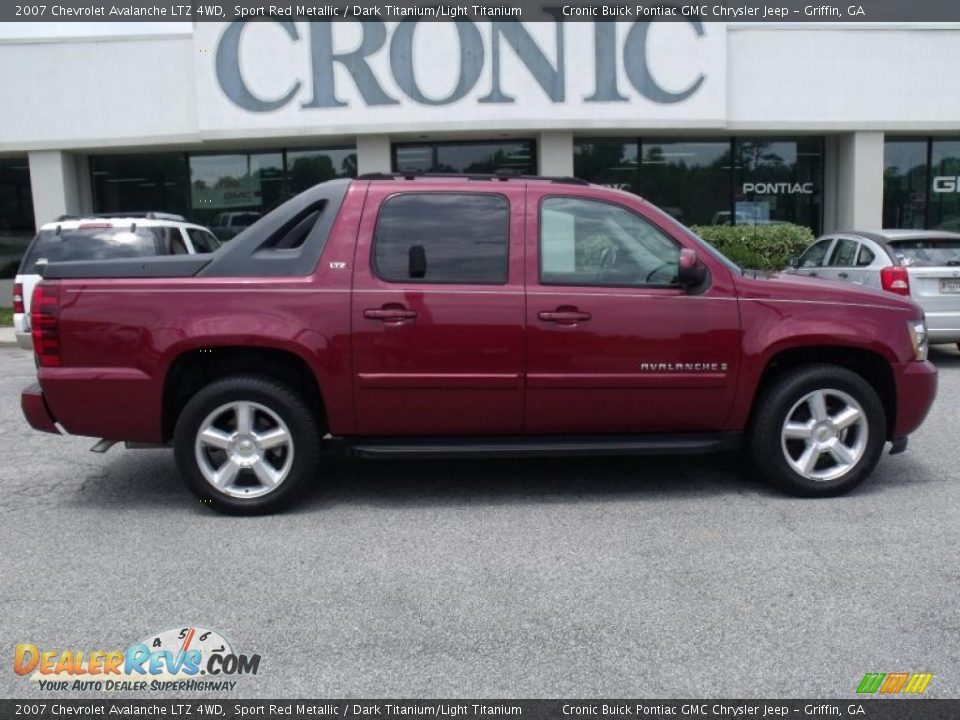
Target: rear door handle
389, 314
812, 274
843, 275
564, 317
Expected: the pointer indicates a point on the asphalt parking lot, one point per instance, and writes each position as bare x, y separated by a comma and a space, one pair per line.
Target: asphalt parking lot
634, 578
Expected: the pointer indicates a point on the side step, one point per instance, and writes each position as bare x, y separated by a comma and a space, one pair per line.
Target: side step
521, 446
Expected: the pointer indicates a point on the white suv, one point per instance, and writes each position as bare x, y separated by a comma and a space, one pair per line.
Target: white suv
101, 238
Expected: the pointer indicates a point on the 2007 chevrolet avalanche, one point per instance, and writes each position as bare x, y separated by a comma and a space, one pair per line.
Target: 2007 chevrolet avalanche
471, 315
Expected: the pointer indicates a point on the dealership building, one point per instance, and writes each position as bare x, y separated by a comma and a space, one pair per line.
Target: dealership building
827, 125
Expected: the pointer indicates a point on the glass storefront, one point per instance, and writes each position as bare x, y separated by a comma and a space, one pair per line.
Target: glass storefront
944, 210
227, 191
466, 157
921, 183
713, 181
16, 213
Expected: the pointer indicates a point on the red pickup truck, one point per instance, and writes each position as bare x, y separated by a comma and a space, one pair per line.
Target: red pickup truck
461, 316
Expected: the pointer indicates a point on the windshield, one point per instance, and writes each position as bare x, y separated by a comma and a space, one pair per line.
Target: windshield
94, 243
929, 252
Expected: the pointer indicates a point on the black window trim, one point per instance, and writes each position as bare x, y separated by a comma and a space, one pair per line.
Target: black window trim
375, 271
644, 218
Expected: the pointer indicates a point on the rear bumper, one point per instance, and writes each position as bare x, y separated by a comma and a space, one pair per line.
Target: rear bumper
916, 390
943, 327
25, 340
36, 411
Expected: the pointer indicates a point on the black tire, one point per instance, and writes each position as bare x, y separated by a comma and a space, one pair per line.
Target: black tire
277, 398
768, 453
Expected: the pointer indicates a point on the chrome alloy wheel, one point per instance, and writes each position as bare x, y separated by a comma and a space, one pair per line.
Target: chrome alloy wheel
244, 449
824, 435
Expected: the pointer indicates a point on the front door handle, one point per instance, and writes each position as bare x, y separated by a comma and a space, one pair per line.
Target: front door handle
563, 316
390, 314
843, 275
812, 274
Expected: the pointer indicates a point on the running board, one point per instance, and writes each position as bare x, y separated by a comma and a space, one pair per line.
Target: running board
520, 446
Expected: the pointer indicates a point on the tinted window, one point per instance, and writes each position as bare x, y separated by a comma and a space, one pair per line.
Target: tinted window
465, 237
586, 242
88, 244
866, 256
844, 253
814, 255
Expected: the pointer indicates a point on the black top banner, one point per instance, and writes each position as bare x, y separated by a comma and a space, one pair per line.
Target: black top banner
225, 709
777, 11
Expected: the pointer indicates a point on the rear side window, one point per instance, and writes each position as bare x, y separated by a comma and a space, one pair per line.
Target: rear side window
95, 243
929, 252
203, 240
844, 252
866, 256
464, 238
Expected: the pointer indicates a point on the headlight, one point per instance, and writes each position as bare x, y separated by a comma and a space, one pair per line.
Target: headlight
918, 336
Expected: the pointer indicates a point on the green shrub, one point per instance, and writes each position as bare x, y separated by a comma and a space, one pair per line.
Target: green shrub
757, 247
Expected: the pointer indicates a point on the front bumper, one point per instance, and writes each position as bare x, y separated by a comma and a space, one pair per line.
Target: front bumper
916, 390
36, 411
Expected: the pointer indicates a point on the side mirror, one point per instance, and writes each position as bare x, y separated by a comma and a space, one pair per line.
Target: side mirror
417, 260
793, 261
690, 271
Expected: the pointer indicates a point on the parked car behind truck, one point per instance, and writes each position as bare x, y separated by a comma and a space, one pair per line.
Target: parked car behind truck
393, 316
921, 264
100, 238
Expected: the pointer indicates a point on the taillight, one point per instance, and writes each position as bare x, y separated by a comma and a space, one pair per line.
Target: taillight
895, 279
18, 298
44, 324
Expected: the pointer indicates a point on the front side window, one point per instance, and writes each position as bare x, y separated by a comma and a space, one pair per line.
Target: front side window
462, 237
814, 255
587, 242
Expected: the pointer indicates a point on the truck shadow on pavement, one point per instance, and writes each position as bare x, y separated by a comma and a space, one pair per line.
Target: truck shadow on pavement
149, 480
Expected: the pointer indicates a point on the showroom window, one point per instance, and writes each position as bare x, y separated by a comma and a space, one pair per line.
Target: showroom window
778, 180
466, 157
690, 179
455, 238
140, 183
229, 190
944, 207
905, 183
713, 181
921, 183
16, 213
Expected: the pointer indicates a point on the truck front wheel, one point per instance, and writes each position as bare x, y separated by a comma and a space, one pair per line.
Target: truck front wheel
246, 444
818, 431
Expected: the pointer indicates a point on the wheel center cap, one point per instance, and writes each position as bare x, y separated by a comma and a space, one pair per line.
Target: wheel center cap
823, 433
245, 450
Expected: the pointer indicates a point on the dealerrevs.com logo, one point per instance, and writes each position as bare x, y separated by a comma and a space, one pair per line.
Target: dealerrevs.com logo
186, 659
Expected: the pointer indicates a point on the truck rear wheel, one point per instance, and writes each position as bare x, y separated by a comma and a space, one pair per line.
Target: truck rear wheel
246, 444
818, 431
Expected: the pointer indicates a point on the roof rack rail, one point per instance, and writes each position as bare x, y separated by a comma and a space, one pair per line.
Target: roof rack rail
502, 174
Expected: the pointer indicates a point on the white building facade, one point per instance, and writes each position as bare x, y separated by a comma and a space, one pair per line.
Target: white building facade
829, 126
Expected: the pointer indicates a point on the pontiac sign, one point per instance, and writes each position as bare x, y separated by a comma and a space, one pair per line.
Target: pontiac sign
345, 77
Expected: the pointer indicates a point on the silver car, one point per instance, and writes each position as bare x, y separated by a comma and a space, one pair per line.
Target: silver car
923, 264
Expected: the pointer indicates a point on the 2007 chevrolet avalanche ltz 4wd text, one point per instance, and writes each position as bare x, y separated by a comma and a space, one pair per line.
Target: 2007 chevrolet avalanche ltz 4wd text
453, 316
